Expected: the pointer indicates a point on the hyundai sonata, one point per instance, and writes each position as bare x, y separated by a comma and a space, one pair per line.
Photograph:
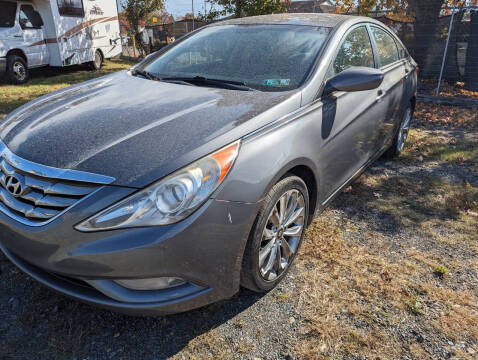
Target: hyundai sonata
168, 186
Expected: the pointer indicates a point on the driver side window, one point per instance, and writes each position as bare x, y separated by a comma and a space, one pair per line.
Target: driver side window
356, 50
26, 17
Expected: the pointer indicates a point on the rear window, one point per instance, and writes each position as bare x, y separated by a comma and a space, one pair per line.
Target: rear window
386, 46
71, 8
8, 11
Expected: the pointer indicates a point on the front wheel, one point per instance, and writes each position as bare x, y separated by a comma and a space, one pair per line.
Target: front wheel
402, 135
17, 70
277, 235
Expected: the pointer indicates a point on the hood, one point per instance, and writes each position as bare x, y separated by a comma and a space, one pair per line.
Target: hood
133, 129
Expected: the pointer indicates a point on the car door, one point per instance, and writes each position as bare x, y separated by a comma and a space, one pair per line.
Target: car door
35, 46
350, 120
411, 73
395, 70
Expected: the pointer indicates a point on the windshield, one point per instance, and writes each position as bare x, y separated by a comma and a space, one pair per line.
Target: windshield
263, 57
8, 11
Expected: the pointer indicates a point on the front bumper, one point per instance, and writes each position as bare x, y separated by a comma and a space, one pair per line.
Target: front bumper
3, 64
206, 250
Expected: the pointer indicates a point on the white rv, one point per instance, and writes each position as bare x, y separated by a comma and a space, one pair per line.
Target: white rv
36, 33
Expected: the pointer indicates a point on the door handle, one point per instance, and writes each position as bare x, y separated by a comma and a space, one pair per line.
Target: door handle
18, 35
381, 95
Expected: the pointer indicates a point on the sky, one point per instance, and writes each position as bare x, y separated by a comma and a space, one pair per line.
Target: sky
181, 7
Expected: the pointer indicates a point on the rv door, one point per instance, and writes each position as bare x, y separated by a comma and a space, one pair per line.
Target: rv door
33, 37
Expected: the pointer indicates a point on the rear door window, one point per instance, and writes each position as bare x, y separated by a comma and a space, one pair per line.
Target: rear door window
355, 50
386, 46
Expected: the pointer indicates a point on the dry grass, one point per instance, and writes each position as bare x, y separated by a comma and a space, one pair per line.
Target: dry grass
364, 296
443, 147
355, 299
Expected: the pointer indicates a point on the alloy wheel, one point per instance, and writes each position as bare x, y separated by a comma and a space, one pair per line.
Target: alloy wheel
281, 235
19, 71
404, 130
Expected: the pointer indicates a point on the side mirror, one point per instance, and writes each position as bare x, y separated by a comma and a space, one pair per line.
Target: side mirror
36, 19
354, 79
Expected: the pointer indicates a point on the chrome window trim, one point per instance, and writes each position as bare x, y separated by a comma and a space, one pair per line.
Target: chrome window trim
51, 172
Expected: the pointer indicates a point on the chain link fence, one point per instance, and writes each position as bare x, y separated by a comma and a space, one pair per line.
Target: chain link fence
157, 36
446, 50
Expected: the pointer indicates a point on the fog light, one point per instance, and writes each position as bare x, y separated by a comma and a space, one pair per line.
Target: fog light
151, 284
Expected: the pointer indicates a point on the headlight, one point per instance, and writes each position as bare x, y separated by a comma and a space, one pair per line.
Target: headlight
171, 199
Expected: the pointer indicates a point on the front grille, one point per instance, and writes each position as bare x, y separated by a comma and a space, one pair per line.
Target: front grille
35, 194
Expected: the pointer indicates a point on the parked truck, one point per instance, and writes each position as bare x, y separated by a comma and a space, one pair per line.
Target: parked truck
35, 33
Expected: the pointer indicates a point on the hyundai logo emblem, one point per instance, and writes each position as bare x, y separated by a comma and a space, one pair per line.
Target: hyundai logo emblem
14, 185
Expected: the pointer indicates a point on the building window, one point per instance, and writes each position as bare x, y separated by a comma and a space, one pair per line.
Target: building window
71, 8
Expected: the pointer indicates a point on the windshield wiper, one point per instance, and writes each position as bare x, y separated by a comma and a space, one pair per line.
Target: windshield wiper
145, 74
229, 84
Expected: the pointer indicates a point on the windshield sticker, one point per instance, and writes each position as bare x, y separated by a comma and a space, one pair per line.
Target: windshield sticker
277, 82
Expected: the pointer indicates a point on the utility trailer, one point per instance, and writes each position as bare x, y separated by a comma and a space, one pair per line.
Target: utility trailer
35, 33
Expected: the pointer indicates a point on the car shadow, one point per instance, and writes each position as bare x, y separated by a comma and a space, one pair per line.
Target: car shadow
64, 328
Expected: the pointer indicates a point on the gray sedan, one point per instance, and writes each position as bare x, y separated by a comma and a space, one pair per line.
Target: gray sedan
168, 186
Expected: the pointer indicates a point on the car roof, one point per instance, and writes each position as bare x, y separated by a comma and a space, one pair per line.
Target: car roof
307, 19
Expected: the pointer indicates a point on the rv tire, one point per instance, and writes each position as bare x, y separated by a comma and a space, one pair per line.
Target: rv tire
97, 61
17, 70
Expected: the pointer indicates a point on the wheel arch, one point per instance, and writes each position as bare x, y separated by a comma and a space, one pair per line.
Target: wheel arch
17, 52
305, 169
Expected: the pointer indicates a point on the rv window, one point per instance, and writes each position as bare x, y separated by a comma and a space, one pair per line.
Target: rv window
7, 14
71, 8
27, 17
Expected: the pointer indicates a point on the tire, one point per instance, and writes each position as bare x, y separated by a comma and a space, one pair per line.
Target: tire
275, 240
17, 70
401, 137
97, 61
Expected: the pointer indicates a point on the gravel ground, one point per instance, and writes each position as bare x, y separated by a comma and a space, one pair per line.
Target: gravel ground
367, 285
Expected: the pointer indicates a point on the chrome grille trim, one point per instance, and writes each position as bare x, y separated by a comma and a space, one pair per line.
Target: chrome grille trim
39, 170
45, 192
27, 209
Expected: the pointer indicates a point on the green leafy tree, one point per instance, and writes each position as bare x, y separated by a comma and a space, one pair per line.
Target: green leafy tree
241, 8
137, 12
